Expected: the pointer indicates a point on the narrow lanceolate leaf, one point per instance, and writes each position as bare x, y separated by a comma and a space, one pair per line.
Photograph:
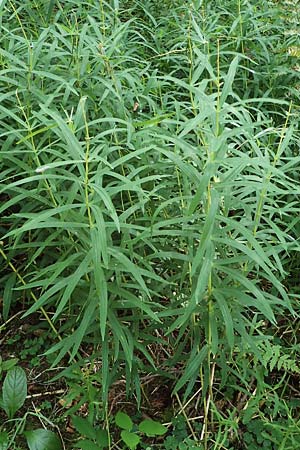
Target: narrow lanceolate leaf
101, 290
14, 391
7, 295
75, 148
100, 256
229, 80
42, 439
45, 220
130, 267
109, 207
122, 336
98, 237
227, 317
192, 368
73, 281
207, 231
86, 319
205, 272
105, 370
259, 301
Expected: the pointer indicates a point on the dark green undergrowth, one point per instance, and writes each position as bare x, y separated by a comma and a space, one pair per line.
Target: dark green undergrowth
150, 217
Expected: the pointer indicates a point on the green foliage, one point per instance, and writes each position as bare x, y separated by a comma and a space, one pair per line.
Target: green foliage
152, 428
14, 392
7, 365
275, 356
132, 436
123, 421
150, 203
40, 438
131, 440
283, 434
179, 439
96, 437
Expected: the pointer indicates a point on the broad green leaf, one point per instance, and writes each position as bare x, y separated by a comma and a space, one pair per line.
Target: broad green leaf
131, 439
85, 444
102, 438
14, 391
84, 427
123, 421
152, 428
42, 439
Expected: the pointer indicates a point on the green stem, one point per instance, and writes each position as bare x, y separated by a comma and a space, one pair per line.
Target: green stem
87, 156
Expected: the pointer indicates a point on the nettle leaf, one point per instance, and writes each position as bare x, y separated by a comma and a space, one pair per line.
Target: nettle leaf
123, 421
102, 438
86, 444
84, 427
42, 439
131, 439
152, 428
14, 391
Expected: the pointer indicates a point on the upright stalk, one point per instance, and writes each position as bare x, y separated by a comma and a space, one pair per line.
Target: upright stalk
86, 162
263, 192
